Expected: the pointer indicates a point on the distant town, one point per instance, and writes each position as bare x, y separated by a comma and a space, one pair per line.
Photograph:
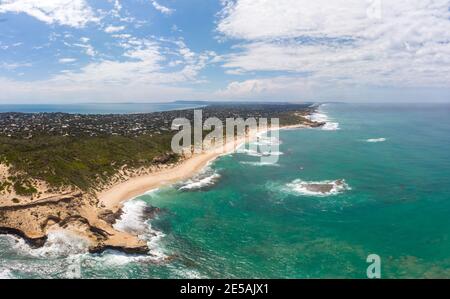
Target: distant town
30, 125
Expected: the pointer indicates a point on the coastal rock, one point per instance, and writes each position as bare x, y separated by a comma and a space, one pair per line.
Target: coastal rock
110, 216
324, 187
143, 249
314, 124
32, 242
150, 212
73, 212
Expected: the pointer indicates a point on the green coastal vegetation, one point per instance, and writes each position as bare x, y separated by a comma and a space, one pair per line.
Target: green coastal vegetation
84, 150
77, 161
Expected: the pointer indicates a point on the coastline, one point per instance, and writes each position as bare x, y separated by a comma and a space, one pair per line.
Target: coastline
114, 197
92, 215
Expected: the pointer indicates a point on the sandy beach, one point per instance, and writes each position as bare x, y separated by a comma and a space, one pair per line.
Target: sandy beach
115, 196
92, 215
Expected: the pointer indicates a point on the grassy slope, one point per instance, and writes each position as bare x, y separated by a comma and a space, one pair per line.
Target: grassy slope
77, 161
80, 161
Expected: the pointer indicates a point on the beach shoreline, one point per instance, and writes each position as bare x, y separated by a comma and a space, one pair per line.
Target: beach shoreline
116, 195
92, 215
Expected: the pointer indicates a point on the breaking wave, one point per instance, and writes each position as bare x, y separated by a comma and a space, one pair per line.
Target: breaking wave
132, 219
375, 140
186, 273
264, 140
205, 179
6, 274
322, 117
331, 126
254, 153
135, 220
59, 244
259, 163
320, 188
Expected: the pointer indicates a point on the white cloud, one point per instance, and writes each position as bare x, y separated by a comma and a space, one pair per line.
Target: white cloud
41, 91
13, 66
88, 49
6, 47
143, 72
117, 6
74, 13
163, 9
67, 60
284, 88
262, 19
301, 89
342, 41
112, 29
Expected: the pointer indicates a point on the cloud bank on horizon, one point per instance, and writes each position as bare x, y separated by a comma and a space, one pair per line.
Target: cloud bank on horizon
144, 50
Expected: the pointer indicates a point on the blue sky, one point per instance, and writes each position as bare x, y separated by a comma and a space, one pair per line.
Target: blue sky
66, 51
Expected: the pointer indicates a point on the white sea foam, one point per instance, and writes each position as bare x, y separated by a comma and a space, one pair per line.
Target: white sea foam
259, 163
59, 243
67, 251
6, 274
319, 116
206, 178
331, 126
254, 153
186, 273
152, 192
134, 221
263, 139
375, 140
301, 187
250, 152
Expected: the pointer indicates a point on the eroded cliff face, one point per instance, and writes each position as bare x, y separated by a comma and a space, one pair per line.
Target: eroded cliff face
33, 217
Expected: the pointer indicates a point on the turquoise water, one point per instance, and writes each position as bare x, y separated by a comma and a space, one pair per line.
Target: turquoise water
251, 220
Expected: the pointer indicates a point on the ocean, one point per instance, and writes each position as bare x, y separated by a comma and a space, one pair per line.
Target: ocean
243, 219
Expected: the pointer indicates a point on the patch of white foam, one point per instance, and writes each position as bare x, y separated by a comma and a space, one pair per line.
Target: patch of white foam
6, 274
59, 243
259, 163
264, 139
254, 153
152, 192
300, 187
375, 140
274, 153
319, 116
186, 273
133, 221
250, 152
206, 178
331, 126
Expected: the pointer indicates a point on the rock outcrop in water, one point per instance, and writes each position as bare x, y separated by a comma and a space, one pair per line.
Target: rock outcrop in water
324, 188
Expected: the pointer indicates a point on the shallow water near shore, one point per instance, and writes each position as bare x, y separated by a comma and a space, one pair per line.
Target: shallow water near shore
243, 218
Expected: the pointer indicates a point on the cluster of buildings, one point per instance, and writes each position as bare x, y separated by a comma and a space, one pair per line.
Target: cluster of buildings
29, 125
